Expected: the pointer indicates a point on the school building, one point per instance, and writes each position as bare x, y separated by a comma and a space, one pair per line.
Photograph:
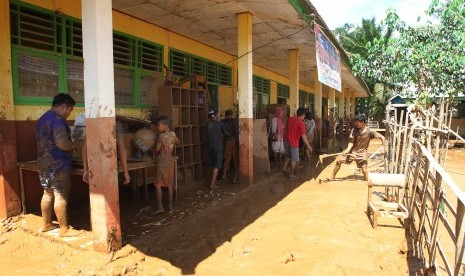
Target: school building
252, 53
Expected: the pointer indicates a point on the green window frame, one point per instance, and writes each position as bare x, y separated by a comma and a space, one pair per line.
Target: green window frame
185, 64
307, 100
261, 93
283, 92
38, 33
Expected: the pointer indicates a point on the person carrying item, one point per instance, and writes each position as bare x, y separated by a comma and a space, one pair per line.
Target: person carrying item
357, 150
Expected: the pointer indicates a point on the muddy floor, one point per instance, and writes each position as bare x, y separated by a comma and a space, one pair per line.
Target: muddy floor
276, 227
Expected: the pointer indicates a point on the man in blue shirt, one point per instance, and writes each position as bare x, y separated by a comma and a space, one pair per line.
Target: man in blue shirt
54, 156
215, 137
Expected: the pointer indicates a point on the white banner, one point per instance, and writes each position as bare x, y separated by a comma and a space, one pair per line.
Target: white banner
328, 60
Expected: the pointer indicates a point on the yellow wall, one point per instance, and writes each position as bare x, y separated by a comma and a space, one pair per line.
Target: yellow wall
6, 84
135, 27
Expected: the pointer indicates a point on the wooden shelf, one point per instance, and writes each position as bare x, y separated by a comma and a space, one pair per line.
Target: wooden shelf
188, 112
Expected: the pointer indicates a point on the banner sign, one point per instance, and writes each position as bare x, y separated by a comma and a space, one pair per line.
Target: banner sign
328, 60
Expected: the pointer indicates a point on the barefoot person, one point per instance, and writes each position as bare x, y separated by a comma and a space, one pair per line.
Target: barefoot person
54, 156
165, 166
359, 140
230, 145
215, 136
295, 129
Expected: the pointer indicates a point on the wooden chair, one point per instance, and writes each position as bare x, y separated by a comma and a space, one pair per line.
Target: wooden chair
393, 209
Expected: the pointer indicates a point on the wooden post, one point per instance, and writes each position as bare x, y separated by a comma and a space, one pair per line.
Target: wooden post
409, 147
424, 197
398, 140
435, 221
404, 143
459, 236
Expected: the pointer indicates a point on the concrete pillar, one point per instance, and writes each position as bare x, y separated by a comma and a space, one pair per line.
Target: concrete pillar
331, 112
352, 104
347, 105
341, 111
294, 80
245, 89
10, 203
341, 104
97, 32
318, 97
318, 109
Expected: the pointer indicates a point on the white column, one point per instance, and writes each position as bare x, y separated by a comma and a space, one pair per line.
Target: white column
97, 36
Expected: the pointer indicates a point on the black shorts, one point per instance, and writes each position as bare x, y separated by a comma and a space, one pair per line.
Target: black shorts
216, 158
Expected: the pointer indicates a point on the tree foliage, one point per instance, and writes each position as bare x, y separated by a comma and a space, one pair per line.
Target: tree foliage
357, 41
430, 57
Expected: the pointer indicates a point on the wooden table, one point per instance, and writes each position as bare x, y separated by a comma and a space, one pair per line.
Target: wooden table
132, 167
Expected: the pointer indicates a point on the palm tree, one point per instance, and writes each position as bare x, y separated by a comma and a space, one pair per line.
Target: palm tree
356, 40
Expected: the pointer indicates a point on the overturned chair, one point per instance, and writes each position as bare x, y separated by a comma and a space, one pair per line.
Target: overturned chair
392, 206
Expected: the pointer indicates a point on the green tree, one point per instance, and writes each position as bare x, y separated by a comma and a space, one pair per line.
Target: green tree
357, 41
430, 57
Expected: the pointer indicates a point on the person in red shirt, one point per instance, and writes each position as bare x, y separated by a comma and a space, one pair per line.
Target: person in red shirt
295, 129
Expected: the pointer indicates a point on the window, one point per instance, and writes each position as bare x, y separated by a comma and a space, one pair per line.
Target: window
283, 93
261, 95
47, 58
307, 100
37, 76
184, 64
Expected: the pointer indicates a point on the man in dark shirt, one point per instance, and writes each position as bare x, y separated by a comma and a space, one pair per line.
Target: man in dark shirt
230, 144
357, 150
215, 136
295, 129
54, 154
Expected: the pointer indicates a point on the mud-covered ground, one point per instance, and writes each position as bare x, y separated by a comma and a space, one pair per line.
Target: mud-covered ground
275, 227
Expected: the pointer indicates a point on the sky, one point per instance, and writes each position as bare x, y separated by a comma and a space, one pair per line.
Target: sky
338, 12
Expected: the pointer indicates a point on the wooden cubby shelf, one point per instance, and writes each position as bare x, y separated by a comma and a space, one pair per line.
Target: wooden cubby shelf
187, 109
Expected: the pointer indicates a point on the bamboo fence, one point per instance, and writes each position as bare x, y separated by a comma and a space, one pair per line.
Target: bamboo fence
416, 145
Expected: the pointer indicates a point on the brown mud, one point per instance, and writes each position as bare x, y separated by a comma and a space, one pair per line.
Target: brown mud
275, 227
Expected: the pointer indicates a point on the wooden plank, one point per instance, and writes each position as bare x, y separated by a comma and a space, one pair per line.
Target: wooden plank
445, 176
444, 258
404, 144
398, 142
460, 236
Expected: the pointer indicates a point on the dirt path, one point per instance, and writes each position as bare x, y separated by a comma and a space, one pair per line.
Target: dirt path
277, 227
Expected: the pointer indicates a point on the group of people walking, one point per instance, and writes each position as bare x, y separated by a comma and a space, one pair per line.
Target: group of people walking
287, 138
